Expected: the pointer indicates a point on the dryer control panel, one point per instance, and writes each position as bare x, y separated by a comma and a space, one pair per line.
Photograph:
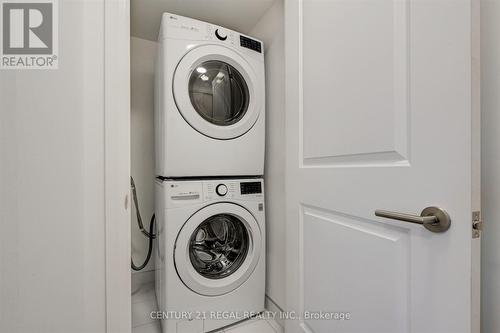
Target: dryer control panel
184, 28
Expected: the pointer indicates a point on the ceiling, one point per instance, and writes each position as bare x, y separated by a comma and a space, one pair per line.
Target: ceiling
239, 15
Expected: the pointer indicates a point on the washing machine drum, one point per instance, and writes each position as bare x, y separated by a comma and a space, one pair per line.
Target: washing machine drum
217, 249
216, 91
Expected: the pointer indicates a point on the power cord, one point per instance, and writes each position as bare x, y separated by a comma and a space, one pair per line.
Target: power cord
150, 235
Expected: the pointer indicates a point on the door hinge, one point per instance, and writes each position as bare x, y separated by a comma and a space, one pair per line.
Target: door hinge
477, 224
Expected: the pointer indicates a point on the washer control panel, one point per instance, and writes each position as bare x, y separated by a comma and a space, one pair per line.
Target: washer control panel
233, 189
188, 192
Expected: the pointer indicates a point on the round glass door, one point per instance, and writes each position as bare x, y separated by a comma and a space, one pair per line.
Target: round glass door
218, 92
217, 249
218, 246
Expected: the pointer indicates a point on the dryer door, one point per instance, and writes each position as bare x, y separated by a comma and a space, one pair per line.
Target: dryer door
217, 249
217, 92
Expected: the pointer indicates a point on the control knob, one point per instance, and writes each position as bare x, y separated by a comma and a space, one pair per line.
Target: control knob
221, 190
221, 35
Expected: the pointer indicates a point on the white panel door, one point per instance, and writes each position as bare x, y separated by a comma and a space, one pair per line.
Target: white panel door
382, 113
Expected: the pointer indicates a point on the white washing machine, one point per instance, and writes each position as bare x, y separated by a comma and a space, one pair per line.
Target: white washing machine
210, 255
210, 101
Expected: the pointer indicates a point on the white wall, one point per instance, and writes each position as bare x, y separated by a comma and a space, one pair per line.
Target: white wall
52, 249
270, 29
490, 119
143, 53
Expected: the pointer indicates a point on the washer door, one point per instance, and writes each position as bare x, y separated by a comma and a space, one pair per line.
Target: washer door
216, 91
217, 249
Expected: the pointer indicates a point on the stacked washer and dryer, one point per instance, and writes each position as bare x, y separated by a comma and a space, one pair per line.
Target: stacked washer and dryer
210, 135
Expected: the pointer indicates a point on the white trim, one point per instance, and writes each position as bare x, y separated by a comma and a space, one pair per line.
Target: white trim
476, 161
117, 164
277, 312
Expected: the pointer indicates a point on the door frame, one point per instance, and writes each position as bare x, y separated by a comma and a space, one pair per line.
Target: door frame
476, 160
117, 165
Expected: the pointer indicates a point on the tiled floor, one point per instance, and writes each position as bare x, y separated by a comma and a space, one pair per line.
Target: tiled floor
254, 326
144, 301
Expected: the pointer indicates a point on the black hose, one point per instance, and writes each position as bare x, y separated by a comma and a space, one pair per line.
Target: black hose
138, 212
150, 248
150, 235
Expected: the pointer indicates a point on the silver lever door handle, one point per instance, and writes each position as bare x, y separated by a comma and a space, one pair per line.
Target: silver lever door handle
434, 219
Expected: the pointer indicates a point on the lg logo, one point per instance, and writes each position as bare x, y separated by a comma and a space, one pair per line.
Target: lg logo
29, 28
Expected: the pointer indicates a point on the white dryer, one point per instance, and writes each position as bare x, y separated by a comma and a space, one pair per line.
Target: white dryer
210, 257
210, 101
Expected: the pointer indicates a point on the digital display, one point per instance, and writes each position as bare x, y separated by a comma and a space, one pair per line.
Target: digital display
251, 44
251, 187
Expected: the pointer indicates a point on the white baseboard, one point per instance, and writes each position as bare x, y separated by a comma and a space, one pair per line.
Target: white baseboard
271, 306
141, 278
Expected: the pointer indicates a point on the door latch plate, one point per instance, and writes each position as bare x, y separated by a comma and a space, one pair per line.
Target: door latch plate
477, 224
